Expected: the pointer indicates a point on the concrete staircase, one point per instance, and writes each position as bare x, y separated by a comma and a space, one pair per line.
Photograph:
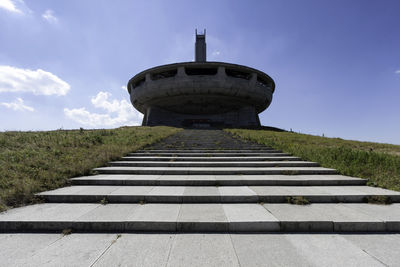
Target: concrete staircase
205, 180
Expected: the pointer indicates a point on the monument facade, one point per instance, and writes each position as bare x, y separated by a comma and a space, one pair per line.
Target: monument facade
201, 93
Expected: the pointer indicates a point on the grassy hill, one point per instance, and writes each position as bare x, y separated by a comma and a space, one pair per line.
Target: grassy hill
378, 162
31, 162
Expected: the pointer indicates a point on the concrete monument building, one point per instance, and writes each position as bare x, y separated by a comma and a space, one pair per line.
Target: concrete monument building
201, 93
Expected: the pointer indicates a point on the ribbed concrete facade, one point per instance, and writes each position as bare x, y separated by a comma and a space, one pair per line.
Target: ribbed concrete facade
201, 93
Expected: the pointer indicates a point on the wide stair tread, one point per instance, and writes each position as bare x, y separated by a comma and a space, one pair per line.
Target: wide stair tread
211, 154
214, 170
213, 194
206, 159
208, 181
217, 180
203, 217
215, 164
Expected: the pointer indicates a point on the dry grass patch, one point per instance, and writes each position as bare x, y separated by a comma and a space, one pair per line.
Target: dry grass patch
32, 162
380, 163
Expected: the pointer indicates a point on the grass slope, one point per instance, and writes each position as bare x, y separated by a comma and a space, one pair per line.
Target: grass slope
31, 162
378, 162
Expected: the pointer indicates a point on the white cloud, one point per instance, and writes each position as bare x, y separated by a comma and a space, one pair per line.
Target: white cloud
38, 82
216, 53
397, 72
9, 6
124, 88
118, 113
18, 105
49, 16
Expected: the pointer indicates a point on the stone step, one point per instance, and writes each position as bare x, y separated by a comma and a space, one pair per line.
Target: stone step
263, 150
202, 218
207, 159
208, 147
214, 171
218, 180
214, 194
190, 154
196, 164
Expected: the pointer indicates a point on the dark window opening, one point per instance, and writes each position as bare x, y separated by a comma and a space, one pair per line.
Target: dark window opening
201, 71
139, 82
263, 82
238, 74
164, 74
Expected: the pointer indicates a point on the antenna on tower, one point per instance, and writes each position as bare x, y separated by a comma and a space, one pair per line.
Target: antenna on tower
200, 47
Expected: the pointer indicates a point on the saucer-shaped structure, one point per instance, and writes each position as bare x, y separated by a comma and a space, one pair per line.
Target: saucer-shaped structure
201, 94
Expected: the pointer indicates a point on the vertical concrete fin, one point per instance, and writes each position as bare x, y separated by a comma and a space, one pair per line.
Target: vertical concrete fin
200, 47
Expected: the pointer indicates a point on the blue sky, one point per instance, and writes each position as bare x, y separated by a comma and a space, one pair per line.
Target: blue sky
336, 64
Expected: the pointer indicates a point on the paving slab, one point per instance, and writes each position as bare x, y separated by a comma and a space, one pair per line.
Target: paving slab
175, 194
43, 217
129, 194
211, 154
202, 250
323, 217
155, 249
383, 247
48, 211
249, 217
302, 180
210, 159
321, 194
202, 217
330, 250
201, 194
204, 150
116, 179
73, 250
66, 190
186, 180
390, 214
165, 194
214, 164
79, 193
154, 217
138, 250
190, 180
213, 180
16, 249
237, 194
215, 170
110, 213
267, 250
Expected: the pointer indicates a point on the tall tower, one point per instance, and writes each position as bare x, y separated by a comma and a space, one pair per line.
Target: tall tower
200, 52
201, 93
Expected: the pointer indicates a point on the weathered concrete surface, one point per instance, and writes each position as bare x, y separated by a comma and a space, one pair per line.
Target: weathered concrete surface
200, 217
214, 164
208, 159
150, 249
297, 235
256, 153
204, 217
17, 249
214, 180
214, 170
207, 91
220, 194
203, 250
138, 250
